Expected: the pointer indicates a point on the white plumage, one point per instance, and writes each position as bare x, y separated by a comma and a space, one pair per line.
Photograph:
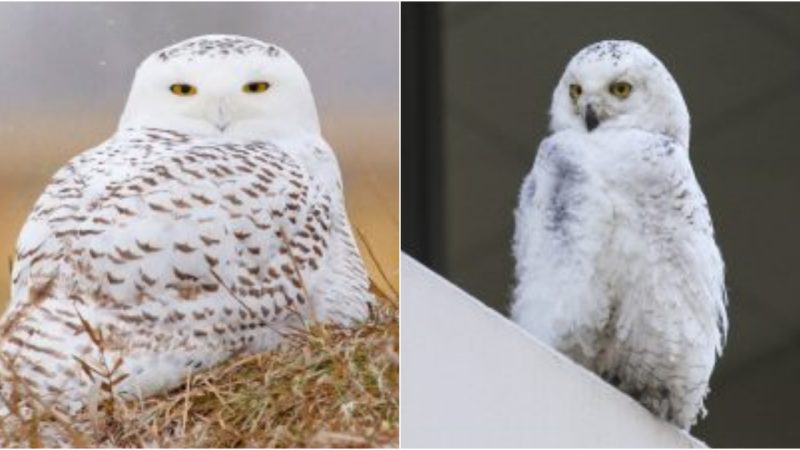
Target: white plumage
211, 224
616, 263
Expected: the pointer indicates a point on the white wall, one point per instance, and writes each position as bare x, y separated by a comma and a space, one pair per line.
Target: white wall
471, 378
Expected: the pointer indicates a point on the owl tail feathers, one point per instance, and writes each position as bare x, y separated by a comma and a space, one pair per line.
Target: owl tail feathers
345, 311
348, 299
384, 292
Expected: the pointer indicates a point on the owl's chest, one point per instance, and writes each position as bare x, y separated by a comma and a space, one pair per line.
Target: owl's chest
641, 265
156, 208
645, 232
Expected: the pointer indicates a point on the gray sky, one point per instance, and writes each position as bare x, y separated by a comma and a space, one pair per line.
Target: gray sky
62, 56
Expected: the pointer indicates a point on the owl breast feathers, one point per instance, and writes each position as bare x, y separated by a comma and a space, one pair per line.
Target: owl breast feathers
616, 262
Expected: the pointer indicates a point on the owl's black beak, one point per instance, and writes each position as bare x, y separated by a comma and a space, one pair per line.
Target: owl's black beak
218, 113
591, 118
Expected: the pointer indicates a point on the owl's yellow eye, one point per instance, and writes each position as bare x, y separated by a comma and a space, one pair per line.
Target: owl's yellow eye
183, 89
255, 87
575, 91
620, 89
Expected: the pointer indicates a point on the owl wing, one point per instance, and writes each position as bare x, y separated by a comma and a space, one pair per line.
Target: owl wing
183, 248
667, 275
684, 267
344, 295
35, 242
562, 221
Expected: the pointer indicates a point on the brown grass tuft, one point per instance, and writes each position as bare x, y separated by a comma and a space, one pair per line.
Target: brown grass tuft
332, 387
329, 387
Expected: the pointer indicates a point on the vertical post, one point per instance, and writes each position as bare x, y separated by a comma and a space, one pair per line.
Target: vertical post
422, 155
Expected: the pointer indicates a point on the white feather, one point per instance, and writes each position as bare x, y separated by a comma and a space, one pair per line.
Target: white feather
616, 263
206, 226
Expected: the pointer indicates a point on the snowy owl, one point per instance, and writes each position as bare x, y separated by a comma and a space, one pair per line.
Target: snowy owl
616, 263
211, 224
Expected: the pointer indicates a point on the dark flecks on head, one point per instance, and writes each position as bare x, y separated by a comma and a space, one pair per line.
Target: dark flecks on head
217, 47
604, 50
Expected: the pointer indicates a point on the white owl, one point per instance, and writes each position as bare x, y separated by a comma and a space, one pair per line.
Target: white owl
211, 224
616, 263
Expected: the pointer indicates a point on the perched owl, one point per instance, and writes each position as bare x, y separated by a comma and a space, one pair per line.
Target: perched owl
616, 263
211, 224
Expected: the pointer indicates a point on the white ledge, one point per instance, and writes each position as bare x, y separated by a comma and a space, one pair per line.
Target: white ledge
472, 378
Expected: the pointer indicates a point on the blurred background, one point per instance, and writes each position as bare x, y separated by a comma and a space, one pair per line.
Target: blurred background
68, 68
477, 83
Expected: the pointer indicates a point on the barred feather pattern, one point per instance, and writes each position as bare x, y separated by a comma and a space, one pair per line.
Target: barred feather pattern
178, 252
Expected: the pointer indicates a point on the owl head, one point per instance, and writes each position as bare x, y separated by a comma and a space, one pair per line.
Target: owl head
222, 85
619, 84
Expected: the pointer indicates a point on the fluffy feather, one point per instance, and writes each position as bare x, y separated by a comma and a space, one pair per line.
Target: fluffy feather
616, 262
205, 227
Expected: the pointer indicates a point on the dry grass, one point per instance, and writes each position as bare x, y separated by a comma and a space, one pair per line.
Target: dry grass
329, 387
